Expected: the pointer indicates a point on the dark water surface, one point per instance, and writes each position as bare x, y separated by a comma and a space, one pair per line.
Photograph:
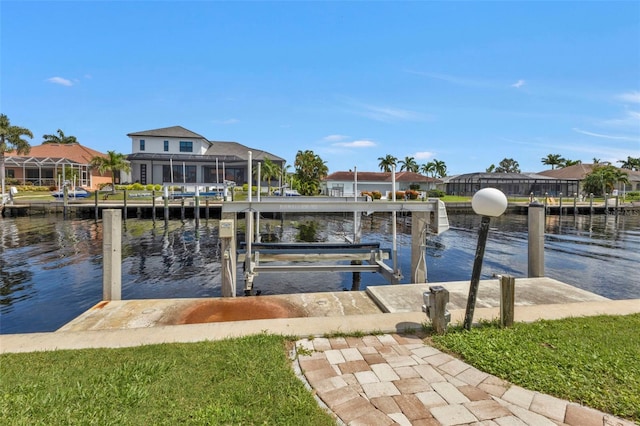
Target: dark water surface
51, 270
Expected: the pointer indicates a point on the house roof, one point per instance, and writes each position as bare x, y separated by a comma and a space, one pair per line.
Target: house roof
577, 171
580, 171
170, 132
72, 151
380, 177
236, 149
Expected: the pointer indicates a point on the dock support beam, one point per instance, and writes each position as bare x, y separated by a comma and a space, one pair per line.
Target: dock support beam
419, 223
536, 221
227, 236
112, 254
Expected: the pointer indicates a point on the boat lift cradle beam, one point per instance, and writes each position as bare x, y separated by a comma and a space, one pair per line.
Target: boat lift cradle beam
437, 221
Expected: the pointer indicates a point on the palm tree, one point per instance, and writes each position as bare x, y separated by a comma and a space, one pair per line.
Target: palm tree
428, 169
630, 163
409, 164
11, 138
59, 139
387, 162
268, 170
113, 162
553, 160
508, 165
567, 163
440, 168
310, 170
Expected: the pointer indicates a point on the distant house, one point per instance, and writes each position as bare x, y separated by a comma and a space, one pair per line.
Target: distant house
178, 155
47, 164
516, 184
342, 184
580, 171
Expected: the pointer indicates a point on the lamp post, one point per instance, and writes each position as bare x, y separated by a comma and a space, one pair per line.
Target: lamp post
488, 202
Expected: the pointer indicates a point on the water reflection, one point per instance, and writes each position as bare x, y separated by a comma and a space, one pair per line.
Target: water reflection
51, 270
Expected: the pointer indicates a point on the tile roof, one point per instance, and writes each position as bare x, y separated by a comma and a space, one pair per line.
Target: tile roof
170, 132
577, 171
218, 148
580, 171
73, 151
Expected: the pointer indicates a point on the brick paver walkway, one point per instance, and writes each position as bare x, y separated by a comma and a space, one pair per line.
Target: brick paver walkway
398, 380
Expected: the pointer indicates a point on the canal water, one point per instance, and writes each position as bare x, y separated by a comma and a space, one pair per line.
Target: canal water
51, 269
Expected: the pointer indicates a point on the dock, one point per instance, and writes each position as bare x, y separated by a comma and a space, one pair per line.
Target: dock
391, 308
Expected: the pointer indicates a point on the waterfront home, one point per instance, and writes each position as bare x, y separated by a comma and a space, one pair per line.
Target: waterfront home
46, 164
343, 184
580, 171
178, 155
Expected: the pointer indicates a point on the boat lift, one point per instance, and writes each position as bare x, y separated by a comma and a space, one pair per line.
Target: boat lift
429, 216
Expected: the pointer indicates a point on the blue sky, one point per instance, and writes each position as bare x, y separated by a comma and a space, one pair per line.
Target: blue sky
467, 83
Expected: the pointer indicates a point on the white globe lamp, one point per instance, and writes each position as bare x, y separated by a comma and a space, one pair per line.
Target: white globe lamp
489, 202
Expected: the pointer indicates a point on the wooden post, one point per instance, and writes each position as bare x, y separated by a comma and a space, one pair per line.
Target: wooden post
182, 209
96, 203
536, 222
166, 203
112, 255
507, 300
206, 209
65, 201
196, 208
124, 213
438, 300
153, 205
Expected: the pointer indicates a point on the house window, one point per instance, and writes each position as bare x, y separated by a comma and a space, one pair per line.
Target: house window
143, 174
141, 144
186, 146
180, 174
166, 146
11, 174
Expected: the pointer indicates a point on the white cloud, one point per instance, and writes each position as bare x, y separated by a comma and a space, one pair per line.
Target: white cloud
387, 114
423, 155
227, 121
356, 144
384, 113
601, 135
61, 81
335, 138
630, 97
631, 118
518, 84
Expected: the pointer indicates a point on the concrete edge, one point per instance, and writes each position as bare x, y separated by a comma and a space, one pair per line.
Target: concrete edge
298, 327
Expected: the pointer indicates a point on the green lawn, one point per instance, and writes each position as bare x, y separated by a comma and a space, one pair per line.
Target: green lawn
594, 361
242, 381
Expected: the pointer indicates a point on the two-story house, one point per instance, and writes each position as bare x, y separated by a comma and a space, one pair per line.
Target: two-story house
179, 156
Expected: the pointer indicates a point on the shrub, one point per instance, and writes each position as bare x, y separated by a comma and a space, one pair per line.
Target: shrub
411, 194
436, 193
633, 196
136, 187
376, 195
